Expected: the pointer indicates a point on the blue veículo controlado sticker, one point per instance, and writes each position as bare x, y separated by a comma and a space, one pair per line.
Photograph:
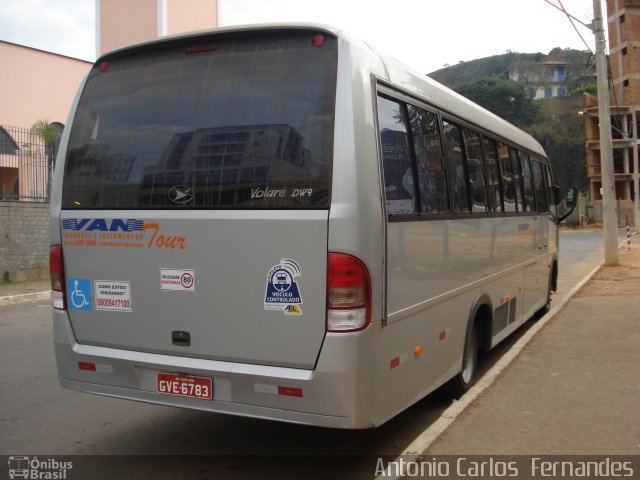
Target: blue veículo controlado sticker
282, 292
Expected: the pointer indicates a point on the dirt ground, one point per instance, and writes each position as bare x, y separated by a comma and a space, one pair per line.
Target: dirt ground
616, 281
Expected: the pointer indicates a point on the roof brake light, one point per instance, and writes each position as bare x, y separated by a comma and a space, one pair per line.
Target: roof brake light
318, 40
203, 48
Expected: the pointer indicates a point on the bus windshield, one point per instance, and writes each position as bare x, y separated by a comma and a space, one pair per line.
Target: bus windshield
225, 122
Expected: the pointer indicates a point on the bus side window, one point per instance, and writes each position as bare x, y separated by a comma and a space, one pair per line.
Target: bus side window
429, 158
517, 177
542, 203
399, 173
493, 179
475, 166
456, 167
528, 200
510, 204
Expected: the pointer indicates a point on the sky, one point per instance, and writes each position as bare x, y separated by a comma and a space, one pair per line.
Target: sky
426, 34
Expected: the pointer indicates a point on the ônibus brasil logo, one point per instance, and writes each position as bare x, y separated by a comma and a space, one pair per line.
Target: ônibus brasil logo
35, 468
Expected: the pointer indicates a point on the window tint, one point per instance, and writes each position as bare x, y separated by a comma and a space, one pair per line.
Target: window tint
455, 167
247, 125
475, 167
399, 174
493, 179
528, 203
507, 178
542, 203
517, 177
428, 150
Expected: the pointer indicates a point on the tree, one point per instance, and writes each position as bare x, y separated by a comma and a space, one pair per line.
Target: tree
561, 133
505, 98
49, 135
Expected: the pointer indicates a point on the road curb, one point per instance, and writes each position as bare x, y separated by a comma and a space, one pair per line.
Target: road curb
25, 297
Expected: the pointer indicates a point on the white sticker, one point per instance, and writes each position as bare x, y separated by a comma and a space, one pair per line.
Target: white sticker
114, 296
182, 280
282, 291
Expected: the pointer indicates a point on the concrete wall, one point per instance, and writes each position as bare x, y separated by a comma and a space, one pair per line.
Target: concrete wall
24, 241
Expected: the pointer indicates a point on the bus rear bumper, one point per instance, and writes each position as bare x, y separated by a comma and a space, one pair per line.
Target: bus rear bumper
322, 397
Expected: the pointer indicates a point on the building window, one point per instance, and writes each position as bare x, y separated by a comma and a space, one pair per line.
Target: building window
548, 93
624, 51
625, 83
622, 18
562, 92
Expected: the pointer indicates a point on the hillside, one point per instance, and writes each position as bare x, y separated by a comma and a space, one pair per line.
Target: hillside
578, 73
554, 122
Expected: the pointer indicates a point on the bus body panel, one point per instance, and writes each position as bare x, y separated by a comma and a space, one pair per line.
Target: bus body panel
426, 276
356, 217
225, 308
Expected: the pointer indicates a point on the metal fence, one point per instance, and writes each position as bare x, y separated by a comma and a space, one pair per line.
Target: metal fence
26, 164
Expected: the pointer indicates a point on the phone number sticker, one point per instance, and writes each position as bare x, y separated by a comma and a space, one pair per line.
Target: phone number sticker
114, 296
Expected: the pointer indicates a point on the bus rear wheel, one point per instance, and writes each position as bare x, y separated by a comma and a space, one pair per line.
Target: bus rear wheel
463, 381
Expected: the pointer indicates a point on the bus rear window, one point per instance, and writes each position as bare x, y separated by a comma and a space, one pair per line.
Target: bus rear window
242, 123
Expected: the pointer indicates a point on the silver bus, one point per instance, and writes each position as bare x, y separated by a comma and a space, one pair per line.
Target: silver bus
281, 222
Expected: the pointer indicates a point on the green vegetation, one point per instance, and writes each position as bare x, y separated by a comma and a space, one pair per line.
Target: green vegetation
554, 122
503, 97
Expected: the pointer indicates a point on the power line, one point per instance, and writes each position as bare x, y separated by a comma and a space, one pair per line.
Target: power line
571, 20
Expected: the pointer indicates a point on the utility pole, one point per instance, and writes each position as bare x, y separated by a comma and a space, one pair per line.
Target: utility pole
609, 216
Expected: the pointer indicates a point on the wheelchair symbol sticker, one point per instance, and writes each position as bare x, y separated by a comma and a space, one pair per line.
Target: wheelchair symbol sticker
79, 291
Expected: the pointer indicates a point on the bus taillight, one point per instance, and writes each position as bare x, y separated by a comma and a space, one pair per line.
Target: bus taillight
348, 294
56, 272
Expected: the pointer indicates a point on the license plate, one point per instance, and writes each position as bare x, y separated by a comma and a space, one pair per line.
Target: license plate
185, 386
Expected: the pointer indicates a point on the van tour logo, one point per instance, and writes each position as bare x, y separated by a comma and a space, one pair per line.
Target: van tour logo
282, 292
120, 233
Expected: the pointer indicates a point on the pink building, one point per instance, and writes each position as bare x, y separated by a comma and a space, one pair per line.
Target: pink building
122, 22
41, 86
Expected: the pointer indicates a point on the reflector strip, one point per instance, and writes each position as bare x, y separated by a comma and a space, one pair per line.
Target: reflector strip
261, 388
90, 367
399, 360
290, 391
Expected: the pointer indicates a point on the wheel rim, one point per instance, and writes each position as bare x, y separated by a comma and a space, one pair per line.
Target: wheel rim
469, 359
467, 373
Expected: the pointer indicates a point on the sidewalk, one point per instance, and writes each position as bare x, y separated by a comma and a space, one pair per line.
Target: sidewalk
574, 389
24, 291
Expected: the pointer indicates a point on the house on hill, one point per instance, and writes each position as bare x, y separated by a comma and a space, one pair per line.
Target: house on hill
544, 79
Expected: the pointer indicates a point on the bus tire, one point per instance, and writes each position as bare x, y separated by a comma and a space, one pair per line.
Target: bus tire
463, 381
546, 308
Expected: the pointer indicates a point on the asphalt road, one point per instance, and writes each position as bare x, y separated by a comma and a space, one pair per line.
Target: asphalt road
38, 417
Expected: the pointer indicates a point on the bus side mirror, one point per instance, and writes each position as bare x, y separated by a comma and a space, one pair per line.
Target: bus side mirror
571, 201
572, 197
557, 196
